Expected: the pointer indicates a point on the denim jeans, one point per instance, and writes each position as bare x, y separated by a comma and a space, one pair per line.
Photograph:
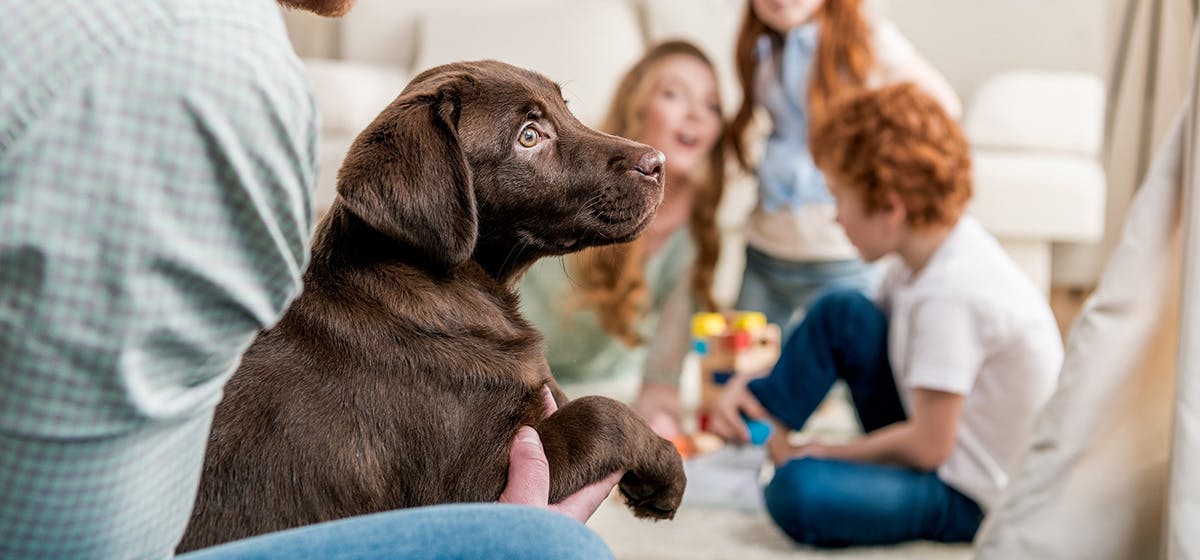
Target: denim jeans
783, 289
839, 503
449, 532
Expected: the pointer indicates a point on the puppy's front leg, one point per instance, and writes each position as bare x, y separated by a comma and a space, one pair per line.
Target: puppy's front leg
590, 437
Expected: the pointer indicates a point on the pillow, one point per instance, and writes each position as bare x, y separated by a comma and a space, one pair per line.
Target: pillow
381, 31
350, 94
584, 45
1038, 110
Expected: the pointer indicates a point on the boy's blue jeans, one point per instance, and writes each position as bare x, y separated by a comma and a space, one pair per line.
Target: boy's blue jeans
449, 532
826, 502
782, 289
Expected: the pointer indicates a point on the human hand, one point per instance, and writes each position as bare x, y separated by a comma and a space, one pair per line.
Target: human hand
529, 477
735, 399
659, 405
780, 450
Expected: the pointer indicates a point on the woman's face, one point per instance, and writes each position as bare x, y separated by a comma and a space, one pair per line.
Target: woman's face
682, 117
785, 15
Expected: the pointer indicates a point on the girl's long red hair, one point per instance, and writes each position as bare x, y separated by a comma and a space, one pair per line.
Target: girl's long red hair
843, 60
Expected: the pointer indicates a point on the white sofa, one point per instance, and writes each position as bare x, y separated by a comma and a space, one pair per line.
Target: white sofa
1036, 138
1036, 134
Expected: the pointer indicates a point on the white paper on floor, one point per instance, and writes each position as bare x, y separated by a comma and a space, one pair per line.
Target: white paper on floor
730, 478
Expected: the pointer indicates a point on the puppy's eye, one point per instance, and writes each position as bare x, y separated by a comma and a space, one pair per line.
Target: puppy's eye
529, 137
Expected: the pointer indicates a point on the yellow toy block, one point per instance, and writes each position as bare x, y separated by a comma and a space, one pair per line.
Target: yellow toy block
746, 345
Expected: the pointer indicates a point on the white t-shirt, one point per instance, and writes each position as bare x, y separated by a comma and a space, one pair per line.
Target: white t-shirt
972, 323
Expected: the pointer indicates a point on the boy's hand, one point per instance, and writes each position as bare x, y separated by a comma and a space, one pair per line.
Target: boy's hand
726, 417
780, 451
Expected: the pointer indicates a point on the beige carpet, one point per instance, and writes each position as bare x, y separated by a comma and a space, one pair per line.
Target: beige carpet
713, 534
709, 533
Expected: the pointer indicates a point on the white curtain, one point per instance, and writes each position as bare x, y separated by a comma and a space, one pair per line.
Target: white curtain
1112, 471
1183, 536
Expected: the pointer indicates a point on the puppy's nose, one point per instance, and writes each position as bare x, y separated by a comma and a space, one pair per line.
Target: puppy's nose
651, 164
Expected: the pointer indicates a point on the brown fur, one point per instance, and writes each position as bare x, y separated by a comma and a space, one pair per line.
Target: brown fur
401, 374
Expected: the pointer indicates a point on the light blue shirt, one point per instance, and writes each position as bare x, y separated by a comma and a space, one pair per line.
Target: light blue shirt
787, 175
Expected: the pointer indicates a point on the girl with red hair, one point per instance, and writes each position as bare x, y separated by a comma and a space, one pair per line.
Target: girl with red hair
793, 58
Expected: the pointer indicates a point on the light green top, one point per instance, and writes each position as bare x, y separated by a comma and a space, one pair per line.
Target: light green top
156, 165
580, 350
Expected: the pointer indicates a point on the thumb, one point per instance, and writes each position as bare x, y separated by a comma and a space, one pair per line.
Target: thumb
528, 471
752, 407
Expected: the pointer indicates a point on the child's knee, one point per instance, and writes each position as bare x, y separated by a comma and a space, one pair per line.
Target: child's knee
795, 499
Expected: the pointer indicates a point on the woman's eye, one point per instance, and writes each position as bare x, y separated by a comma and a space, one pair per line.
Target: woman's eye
529, 137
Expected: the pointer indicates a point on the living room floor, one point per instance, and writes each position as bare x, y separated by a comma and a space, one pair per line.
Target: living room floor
702, 532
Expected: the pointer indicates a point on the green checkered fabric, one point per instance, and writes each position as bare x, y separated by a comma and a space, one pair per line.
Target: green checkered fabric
156, 163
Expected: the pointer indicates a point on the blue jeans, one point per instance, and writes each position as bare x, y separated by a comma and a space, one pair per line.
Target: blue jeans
838, 503
782, 289
449, 532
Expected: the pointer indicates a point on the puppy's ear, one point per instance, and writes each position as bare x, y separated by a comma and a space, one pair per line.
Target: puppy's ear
406, 175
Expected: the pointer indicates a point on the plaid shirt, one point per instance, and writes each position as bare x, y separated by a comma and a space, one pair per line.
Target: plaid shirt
156, 163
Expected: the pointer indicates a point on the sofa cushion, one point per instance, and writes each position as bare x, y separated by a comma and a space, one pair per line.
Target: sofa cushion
584, 45
350, 94
1039, 196
382, 31
1038, 110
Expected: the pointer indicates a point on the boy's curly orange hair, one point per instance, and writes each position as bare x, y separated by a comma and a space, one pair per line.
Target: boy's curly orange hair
896, 139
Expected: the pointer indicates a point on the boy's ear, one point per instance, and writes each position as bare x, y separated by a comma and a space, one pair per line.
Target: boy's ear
897, 213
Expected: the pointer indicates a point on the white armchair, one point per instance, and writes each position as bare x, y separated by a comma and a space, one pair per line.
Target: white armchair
1036, 137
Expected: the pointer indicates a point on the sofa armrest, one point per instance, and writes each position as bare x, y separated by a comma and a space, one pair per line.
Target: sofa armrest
1052, 111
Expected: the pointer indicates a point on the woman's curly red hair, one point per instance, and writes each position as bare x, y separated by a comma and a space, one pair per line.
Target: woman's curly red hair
896, 139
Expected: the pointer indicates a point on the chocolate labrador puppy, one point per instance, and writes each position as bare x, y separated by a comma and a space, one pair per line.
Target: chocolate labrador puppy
400, 376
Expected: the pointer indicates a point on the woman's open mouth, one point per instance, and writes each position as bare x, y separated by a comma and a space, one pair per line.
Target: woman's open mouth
689, 140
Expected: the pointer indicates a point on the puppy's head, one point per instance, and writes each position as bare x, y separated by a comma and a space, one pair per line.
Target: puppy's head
483, 160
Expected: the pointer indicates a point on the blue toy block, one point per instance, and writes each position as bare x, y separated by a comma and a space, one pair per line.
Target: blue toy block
760, 431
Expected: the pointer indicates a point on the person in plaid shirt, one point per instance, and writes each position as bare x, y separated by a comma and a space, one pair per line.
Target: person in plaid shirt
157, 160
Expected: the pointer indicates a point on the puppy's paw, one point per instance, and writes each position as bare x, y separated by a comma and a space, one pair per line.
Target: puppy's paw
654, 488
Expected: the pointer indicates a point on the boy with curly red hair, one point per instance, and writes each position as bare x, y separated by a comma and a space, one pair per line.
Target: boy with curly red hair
947, 365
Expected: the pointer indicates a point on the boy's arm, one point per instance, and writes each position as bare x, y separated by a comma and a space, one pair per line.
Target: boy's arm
923, 442
944, 353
